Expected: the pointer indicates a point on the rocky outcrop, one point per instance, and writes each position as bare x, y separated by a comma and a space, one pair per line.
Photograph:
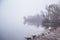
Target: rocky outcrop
54, 35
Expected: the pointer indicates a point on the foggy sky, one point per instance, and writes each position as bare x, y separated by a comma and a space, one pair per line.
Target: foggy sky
11, 17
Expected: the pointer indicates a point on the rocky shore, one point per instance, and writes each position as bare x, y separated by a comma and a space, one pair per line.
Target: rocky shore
54, 35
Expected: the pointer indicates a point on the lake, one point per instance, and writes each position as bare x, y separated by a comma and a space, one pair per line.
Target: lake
11, 14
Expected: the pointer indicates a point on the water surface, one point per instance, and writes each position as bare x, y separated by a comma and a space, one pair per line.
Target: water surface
11, 14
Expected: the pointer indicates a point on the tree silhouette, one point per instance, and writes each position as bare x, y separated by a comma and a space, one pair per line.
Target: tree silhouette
52, 18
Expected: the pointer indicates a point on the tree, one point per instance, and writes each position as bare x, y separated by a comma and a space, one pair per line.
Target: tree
52, 18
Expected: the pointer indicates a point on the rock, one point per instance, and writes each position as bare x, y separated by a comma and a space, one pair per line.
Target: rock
28, 38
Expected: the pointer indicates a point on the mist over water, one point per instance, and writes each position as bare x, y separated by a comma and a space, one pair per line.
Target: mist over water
11, 18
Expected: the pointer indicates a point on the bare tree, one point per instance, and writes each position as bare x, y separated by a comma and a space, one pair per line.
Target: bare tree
52, 19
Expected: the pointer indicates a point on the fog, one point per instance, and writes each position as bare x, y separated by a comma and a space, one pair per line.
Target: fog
11, 17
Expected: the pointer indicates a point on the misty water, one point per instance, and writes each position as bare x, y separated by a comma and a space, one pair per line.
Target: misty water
12, 13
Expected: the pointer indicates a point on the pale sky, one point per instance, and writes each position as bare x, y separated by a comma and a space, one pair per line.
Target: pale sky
26, 7
12, 12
